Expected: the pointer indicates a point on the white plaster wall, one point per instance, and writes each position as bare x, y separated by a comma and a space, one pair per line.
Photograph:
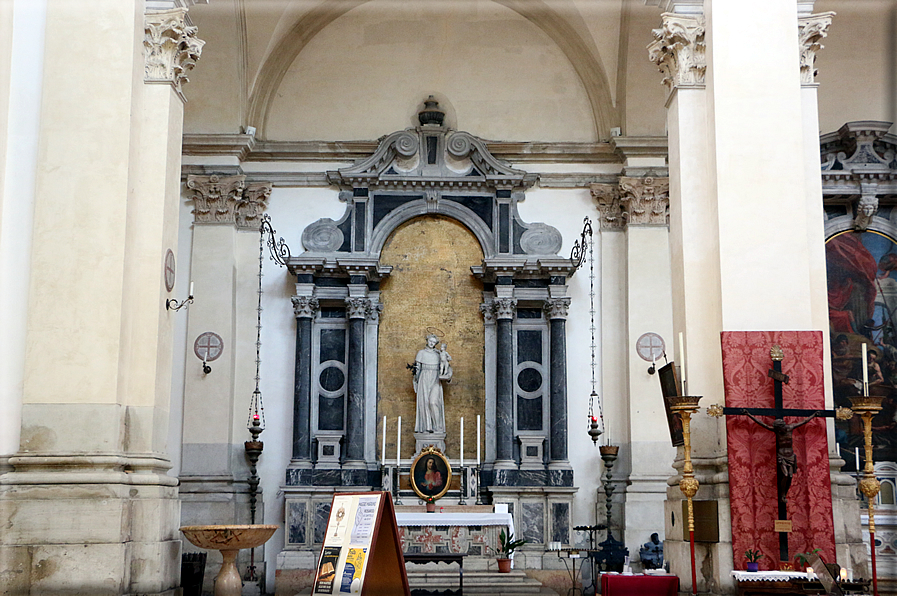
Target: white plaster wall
858, 67
645, 92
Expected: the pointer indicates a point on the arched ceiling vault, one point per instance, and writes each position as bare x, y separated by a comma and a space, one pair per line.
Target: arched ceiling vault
582, 54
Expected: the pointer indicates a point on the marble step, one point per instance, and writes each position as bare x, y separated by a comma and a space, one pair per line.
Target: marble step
515, 583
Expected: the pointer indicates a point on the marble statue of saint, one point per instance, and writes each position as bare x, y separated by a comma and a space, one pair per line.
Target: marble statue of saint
428, 376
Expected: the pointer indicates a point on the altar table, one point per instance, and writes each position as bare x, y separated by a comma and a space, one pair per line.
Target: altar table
639, 585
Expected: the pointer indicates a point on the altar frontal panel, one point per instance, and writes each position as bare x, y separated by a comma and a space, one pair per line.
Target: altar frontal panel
752, 449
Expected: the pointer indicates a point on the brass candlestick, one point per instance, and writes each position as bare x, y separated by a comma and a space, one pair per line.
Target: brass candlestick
685, 406
867, 407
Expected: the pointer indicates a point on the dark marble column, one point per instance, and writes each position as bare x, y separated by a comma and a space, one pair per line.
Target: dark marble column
504, 380
556, 309
304, 308
356, 309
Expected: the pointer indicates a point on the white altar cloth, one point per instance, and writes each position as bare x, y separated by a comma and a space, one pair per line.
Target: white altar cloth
768, 576
456, 519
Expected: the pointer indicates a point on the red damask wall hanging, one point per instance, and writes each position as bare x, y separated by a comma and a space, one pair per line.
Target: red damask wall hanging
752, 449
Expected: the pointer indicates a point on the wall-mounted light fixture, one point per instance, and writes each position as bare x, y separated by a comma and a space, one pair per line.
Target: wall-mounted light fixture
172, 304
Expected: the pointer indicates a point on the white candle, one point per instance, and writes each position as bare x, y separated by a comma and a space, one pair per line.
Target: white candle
399, 443
682, 360
383, 449
478, 440
462, 442
858, 458
191, 289
865, 371
844, 571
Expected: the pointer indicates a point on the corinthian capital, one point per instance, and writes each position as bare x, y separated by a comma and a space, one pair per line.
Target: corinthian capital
608, 198
304, 307
556, 308
811, 31
251, 207
678, 50
171, 47
505, 308
357, 308
215, 198
645, 201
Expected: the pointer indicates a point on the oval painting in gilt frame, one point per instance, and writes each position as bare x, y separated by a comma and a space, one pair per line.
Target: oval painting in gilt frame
431, 474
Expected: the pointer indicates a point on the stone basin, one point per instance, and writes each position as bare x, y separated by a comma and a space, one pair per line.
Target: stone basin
229, 539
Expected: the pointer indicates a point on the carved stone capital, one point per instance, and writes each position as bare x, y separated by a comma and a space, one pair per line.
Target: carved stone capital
304, 307
608, 198
488, 311
504, 308
645, 201
373, 312
357, 308
679, 50
215, 198
251, 207
556, 308
171, 47
812, 30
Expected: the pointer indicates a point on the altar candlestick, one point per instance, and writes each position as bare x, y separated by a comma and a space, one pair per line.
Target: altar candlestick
682, 360
462, 442
478, 440
383, 449
865, 371
399, 443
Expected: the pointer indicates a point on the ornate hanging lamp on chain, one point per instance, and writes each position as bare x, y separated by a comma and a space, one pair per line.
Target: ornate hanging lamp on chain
578, 256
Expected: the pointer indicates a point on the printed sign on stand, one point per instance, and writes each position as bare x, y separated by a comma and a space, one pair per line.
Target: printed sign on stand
361, 553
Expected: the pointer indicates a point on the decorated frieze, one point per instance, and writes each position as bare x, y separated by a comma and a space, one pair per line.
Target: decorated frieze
171, 47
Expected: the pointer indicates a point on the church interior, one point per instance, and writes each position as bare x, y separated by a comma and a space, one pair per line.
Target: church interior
616, 276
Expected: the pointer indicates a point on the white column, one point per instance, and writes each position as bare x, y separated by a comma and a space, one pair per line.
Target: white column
21, 72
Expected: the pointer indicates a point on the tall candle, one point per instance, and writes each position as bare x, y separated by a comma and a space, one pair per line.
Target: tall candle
478, 440
191, 289
858, 458
682, 358
462, 442
399, 443
383, 449
865, 371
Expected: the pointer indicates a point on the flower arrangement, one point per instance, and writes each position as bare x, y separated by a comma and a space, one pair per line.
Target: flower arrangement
752, 555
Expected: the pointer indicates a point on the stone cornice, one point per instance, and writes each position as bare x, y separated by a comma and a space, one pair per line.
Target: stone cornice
812, 30
171, 48
248, 148
679, 51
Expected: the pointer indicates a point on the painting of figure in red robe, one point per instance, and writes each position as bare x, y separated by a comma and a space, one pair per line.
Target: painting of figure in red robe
862, 301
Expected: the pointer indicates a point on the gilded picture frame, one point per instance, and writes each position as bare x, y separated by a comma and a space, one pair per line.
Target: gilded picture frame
431, 474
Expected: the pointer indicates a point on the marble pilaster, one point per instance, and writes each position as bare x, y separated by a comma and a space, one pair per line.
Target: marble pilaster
504, 310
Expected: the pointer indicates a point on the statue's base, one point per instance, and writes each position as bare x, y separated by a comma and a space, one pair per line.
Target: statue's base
423, 440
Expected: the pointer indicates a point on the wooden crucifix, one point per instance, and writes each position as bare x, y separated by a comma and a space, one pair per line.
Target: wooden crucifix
786, 460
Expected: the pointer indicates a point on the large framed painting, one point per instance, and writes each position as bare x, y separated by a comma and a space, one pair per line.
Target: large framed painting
862, 301
431, 474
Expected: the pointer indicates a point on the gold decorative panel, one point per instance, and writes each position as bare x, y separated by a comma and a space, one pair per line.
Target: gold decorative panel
431, 286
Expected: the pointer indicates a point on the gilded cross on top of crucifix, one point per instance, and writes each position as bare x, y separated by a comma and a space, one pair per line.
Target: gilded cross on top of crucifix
786, 460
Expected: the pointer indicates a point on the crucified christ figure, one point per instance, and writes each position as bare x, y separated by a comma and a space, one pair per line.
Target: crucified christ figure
785, 458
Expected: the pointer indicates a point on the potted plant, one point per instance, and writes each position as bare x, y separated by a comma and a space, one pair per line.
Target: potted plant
752, 556
803, 559
506, 546
431, 504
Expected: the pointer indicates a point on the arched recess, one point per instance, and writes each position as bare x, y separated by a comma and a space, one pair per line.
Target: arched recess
582, 55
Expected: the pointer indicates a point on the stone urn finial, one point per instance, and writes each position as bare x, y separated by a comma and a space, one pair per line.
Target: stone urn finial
432, 114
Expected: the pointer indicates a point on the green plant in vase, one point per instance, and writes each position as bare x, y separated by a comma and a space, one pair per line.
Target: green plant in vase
506, 545
753, 557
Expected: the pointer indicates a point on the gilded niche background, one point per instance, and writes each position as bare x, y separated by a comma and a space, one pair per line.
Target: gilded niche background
431, 286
